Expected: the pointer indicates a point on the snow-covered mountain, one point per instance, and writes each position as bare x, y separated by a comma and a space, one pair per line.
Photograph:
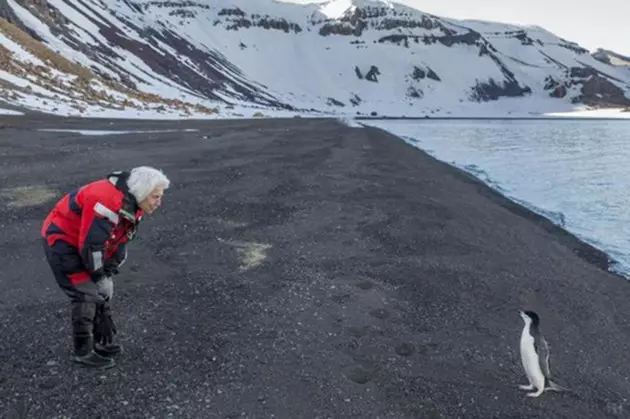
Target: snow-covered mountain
346, 56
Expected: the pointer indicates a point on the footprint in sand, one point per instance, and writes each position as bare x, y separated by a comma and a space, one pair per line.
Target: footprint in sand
341, 298
358, 331
359, 374
405, 349
365, 285
380, 313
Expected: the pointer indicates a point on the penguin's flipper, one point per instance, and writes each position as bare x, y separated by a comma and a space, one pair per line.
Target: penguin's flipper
542, 348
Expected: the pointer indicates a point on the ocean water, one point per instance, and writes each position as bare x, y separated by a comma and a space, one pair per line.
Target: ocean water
575, 173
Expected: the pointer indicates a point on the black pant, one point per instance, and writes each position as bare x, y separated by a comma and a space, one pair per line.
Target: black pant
67, 267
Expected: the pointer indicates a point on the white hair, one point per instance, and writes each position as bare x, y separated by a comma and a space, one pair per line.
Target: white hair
144, 179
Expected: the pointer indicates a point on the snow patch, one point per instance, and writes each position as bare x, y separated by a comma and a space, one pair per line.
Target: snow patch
350, 122
10, 112
106, 132
336, 9
594, 113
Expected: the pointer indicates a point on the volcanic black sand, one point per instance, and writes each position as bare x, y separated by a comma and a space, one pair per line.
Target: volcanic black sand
302, 269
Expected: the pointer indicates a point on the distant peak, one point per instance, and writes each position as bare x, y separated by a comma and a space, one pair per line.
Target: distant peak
335, 9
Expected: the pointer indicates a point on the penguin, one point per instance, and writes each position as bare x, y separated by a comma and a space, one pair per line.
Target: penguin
535, 356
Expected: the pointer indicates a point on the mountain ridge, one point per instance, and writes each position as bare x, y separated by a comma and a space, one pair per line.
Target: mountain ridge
611, 57
360, 57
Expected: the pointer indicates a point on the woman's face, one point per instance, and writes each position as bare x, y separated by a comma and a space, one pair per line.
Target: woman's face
152, 201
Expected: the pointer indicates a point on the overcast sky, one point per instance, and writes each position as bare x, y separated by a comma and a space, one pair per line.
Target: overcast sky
593, 24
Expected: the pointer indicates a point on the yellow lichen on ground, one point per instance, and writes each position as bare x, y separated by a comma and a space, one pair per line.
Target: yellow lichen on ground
27, 196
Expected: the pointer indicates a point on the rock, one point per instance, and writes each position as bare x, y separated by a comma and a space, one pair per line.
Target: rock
599, 91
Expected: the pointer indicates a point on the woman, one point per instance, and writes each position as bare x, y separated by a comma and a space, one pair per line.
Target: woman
85, 239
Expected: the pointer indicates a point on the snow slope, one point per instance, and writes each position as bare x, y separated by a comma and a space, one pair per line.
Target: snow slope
242, 57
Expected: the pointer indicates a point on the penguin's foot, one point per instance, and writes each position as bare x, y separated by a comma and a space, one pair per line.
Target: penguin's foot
526, 386
535, 394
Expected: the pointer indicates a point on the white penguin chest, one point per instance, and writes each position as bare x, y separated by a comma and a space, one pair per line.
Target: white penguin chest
529, 357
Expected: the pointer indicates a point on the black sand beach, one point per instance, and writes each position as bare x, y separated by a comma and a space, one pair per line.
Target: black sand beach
302, 269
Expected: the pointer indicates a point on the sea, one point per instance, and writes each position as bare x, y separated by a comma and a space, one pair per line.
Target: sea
574, 172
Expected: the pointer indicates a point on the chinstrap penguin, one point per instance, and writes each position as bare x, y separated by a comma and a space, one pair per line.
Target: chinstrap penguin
535, 356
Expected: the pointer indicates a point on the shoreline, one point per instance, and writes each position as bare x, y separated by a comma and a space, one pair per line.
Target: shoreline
297, 115
580, 247
245, 113
587, 251
494, 118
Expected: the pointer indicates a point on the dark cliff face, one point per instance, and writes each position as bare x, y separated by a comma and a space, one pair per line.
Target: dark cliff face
235, 19
378, 19
595, 88
598, 91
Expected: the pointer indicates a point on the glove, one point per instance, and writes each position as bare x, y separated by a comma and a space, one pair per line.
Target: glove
111, 268
105, 288
104, 327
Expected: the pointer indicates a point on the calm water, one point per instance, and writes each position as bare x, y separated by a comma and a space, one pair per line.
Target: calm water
576, 173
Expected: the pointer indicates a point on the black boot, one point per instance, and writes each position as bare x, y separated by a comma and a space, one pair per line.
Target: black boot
109, 349
84, 353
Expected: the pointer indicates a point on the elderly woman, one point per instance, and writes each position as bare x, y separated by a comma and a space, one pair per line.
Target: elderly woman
85, 239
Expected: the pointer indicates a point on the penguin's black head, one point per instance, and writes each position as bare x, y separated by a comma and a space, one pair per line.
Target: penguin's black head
532, 315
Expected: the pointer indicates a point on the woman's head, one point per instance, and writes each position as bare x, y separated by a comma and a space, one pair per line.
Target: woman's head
147, 185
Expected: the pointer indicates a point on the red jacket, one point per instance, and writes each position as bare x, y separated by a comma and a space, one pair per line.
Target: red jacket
98, 220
